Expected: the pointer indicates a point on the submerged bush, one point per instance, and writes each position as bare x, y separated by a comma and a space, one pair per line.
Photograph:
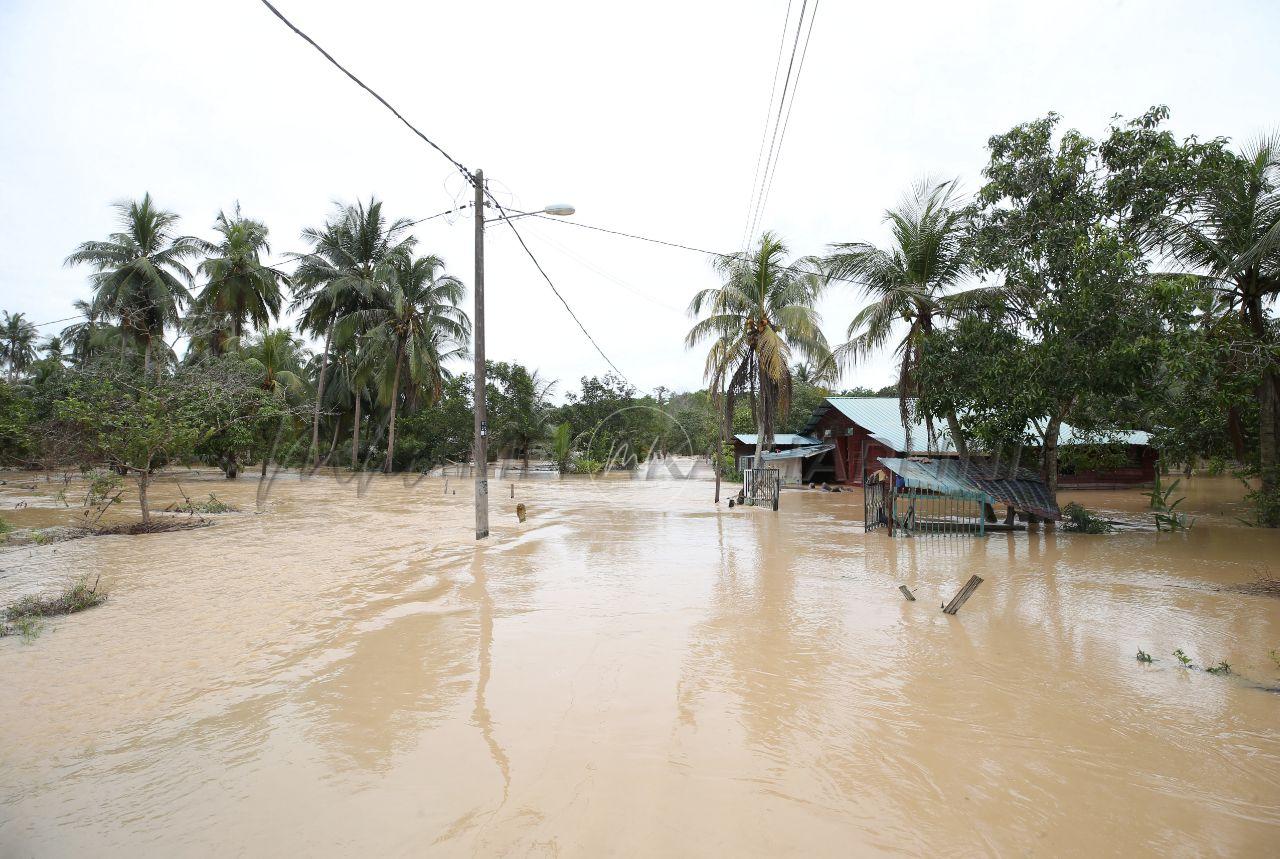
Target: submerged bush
1081, 521
23, 616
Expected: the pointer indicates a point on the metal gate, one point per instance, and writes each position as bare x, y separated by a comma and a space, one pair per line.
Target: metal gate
761, 486
911, 512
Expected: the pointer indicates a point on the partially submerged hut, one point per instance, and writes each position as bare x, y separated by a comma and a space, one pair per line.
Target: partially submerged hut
922, 495
863, 429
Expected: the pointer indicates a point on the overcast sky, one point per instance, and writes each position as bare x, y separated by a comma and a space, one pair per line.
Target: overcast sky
647, 117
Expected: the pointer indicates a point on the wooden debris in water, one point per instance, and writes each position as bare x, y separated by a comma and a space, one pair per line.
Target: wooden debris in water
960, 598
906, 592
520, 511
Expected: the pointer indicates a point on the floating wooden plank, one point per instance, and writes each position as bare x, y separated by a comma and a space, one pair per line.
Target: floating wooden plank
906, 592
960, 598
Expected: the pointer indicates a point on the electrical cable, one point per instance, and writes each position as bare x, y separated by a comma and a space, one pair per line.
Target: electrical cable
786, 83
764, 134
366, 88
768, 188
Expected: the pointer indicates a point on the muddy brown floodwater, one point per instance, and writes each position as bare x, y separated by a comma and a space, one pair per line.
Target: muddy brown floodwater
634, 671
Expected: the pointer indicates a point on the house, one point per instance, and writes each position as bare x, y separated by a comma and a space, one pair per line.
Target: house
744, 445
864, 429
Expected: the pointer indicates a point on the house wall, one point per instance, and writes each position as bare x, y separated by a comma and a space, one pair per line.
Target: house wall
852, 441
1141, 469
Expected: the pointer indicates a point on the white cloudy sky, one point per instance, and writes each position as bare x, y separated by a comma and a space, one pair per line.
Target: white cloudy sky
646, 117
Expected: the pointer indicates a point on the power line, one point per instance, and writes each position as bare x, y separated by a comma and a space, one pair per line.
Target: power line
679, 246
768, 188
551, 284
457, 164
764, 134
366, 88
777, 123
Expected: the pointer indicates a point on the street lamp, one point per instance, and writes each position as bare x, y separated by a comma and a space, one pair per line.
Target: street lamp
481, 443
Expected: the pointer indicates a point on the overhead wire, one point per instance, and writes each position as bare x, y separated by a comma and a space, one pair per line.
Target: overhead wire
366, 88
467, 173
768, 188
777, 123
764, 134
551, 284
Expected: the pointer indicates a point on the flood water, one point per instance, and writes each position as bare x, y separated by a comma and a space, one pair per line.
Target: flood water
635, 671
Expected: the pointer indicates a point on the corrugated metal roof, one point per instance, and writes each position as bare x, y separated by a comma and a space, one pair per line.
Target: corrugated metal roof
1022, 490
779, 438
882, 417
798, 452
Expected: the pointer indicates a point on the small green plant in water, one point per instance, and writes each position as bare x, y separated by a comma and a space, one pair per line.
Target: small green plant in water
1220, 668
1182, 657
1144, 657
1081, 521
1166, 516
23, 617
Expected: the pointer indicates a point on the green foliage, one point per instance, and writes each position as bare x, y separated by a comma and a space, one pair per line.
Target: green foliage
562, 444
585, 465
1220, 668
1183, 659
1080, 520
17, 414
1144, 657
1166, 516
442, 433
77, 596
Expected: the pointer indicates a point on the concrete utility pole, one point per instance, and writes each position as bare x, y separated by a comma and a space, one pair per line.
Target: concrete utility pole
481, 444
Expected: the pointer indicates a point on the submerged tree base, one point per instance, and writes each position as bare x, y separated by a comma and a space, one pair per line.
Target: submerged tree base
23, 616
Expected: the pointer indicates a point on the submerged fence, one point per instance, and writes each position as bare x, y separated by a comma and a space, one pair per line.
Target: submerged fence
911, 512
761, 486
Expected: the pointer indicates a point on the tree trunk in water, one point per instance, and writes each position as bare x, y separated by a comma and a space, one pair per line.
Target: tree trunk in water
391, 423
143, 479
1269, 468
957, 437
333, 443
355, 437
315, 418
1049, 464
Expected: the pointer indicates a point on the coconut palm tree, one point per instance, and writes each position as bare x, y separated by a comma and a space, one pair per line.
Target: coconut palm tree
415, 325
348, 258
278, 357
17, 343
1231, 238
91, 335
139, 277
908, 283
351, 385
760, 317
240, 286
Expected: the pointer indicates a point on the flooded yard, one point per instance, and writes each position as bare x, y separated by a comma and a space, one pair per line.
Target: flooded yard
636, 671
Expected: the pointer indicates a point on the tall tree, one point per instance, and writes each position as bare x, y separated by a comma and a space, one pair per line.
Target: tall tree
349, 260
275, 360
240, 286
416, 325
17, 343
1231, 237
909, 283
140, 278
760, 317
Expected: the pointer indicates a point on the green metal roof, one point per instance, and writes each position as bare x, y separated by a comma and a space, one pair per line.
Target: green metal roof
779, 438
882, 418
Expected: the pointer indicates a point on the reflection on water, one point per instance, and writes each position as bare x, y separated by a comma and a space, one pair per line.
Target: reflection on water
634, 670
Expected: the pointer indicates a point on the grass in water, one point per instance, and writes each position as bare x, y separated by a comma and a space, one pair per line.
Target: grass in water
23, 617
1081, 521
1220, 668
1183, 658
